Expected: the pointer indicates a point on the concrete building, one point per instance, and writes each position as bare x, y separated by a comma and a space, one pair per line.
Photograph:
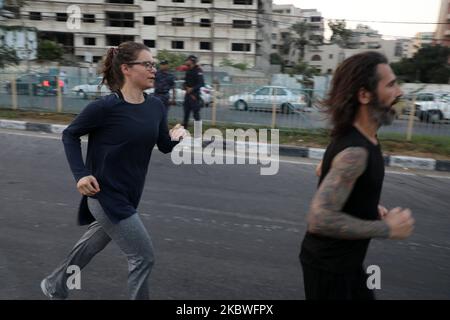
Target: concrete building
284, 17
236, 28
22, 40
422, 39
327, 57
442, 34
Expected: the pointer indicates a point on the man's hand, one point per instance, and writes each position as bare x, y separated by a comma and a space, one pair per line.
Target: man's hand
88, 186
319, 169
382, 212
400, 223
188, 90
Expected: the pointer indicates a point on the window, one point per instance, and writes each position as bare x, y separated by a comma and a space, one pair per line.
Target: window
116, 39
242, 24
274, 46
205, 45
205, 23
263, 91
275, 24
179, 1
178, 22
89, 18
119, 19
207, 1
330, 56
149, 21
240, 47
150, 43
316, 19
35, 16
274, 36
280, 92
61, 17
316, 57
121, 1
89, 41
244, 2
177, 44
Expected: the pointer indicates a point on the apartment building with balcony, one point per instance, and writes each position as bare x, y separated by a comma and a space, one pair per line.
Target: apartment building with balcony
230, 29
284, 17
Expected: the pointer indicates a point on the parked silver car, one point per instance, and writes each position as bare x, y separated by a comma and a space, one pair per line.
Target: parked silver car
266, 97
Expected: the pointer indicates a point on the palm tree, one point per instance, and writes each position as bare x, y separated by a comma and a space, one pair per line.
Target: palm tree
300, 39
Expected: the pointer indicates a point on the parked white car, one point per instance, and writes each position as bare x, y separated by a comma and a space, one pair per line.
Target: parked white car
432, 106
205, 94
91, 89
264, 98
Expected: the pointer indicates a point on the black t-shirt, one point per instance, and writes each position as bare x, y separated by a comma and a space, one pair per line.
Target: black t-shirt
122, 136
340, 255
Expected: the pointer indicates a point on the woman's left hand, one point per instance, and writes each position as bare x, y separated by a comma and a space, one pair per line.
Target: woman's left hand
177, 133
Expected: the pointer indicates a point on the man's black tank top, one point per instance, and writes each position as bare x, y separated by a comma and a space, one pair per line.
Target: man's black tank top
337, 255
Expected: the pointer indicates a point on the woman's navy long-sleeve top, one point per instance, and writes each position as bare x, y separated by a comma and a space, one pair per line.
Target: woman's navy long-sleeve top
122, 136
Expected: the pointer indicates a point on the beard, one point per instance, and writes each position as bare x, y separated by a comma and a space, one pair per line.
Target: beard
381, 113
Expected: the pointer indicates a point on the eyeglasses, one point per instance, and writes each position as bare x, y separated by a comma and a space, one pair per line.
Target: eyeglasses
147, 64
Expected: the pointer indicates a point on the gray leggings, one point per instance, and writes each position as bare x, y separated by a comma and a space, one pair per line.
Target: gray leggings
131, 237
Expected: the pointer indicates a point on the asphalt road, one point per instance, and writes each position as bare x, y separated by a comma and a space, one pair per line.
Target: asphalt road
226, 114
220, 232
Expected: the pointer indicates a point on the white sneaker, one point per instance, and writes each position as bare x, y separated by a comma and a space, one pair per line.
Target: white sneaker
46, 292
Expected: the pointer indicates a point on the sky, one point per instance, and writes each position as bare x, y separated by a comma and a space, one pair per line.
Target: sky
377, 10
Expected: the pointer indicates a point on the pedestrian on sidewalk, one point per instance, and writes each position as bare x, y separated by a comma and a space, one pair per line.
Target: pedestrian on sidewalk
123, 128
345, 212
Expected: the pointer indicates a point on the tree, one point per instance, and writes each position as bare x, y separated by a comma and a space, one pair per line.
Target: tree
304, 69
49, 50
341, 35
229, 63
429, 65
275, 58
174, 59
300, 38
8, 56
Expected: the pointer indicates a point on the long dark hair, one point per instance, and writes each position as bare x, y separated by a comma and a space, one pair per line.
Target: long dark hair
126, 52
342, 103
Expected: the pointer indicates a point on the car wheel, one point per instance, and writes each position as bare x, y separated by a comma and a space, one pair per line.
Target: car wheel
241, 105
422, 116
82, 94
285, 108
434, 117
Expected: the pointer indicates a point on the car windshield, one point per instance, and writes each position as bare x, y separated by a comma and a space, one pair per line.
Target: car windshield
96, 81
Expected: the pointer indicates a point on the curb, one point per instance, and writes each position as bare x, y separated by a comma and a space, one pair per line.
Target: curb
284, 150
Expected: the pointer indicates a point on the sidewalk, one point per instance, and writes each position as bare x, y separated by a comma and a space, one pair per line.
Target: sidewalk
284, 150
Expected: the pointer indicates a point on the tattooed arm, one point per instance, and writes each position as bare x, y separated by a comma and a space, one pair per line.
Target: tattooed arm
325, 216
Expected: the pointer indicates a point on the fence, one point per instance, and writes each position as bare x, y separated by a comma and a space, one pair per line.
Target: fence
268, 106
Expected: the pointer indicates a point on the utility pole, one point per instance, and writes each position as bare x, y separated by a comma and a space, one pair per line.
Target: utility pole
211, 18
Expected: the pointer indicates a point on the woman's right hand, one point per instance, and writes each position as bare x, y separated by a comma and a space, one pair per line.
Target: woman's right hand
88, 186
